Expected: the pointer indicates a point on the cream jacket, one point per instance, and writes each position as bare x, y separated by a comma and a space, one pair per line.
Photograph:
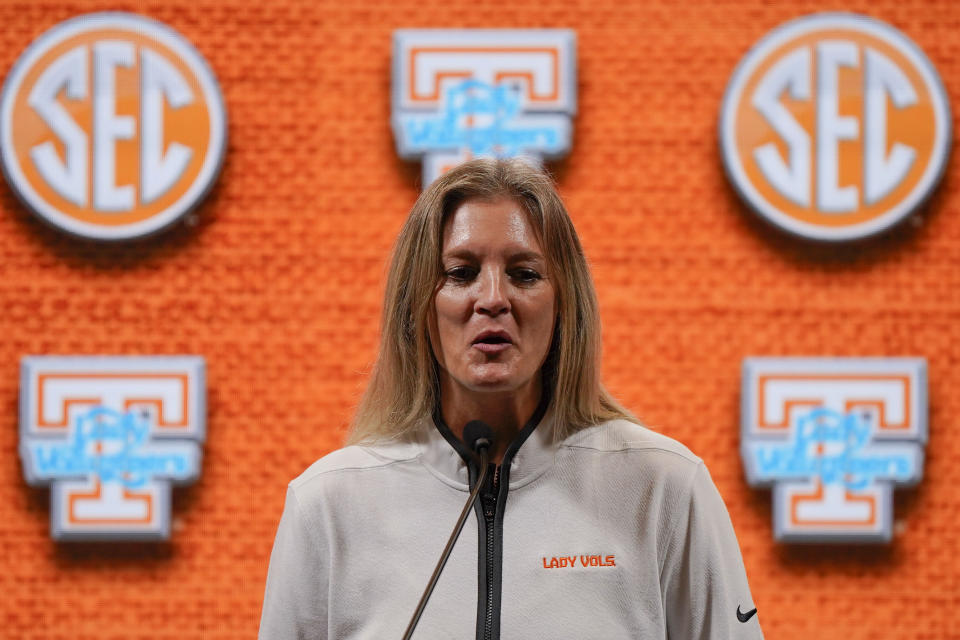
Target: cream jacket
616, 533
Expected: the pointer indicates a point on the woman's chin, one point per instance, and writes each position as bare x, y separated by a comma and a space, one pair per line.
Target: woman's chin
494, 377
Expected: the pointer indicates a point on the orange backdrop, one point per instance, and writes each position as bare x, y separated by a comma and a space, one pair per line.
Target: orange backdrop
277, 279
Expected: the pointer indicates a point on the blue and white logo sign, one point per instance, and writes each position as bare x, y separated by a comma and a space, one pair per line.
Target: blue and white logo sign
466, 93
833, 437
110, 435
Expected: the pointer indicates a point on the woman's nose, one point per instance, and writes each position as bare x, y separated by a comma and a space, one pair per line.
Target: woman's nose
492, 297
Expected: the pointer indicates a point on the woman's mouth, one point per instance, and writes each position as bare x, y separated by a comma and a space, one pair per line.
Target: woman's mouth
491, 342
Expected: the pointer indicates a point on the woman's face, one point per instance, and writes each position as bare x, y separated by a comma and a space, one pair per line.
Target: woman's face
495, 305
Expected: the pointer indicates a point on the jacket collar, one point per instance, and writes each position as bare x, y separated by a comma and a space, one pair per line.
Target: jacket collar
527, 457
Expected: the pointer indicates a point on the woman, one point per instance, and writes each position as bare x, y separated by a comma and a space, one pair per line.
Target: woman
591, 526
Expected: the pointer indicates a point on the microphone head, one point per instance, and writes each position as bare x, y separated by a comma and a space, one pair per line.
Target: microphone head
478, 435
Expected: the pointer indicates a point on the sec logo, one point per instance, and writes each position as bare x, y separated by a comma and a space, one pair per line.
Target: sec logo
112, 126
835, 127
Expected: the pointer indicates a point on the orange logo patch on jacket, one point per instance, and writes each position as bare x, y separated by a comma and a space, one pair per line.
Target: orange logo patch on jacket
564, 562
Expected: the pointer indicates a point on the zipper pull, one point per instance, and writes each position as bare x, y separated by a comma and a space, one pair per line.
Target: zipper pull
489, 498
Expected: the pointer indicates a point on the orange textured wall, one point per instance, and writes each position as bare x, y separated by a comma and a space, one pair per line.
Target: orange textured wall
277, 281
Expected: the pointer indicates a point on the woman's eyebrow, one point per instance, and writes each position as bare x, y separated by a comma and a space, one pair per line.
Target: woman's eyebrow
521, 254
458, 253
512, 257
533, 256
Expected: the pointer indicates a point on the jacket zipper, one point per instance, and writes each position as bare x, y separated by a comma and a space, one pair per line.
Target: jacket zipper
489, 508
489, 516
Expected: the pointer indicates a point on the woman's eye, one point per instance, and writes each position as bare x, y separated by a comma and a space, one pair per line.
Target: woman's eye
462, 273
526, 275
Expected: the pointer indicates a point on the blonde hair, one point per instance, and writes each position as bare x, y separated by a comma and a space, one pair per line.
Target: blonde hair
403, 386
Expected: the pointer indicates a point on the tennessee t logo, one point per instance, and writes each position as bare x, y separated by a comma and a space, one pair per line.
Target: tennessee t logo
465, 93
833, 436
110, 435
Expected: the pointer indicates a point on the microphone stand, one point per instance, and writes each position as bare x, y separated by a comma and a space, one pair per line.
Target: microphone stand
482, 446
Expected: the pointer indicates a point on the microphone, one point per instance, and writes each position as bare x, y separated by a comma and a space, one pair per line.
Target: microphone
479, 437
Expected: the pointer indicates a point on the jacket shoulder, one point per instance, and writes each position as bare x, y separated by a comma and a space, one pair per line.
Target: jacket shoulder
351, 460
626, 436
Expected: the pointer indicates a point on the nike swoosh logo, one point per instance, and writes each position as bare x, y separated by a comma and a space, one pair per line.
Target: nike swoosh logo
743, 617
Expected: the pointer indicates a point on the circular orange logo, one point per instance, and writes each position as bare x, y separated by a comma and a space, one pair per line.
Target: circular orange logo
112, 126
835, 127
